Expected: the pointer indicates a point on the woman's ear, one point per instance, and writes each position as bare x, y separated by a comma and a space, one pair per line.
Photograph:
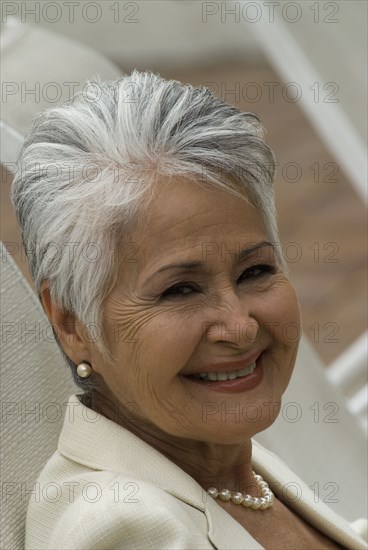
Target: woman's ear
67, 327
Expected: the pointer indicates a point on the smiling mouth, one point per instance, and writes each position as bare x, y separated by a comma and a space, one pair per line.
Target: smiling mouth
223, 376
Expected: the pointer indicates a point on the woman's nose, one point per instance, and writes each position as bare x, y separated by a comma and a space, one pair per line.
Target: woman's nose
232, 323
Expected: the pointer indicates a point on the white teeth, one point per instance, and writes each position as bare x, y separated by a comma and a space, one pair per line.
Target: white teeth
244, 372
220, 376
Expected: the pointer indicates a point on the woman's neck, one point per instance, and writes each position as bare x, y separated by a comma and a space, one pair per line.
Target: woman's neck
210, 464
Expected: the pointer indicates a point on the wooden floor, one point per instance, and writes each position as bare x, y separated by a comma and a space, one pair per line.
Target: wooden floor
321, 219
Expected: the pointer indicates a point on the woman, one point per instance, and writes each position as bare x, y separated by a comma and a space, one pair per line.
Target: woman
148, 207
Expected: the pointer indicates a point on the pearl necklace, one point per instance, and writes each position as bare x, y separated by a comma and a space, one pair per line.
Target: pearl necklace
247, 501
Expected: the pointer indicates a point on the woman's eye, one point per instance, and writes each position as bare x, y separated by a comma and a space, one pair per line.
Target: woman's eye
179, 290
258, 271
187, 289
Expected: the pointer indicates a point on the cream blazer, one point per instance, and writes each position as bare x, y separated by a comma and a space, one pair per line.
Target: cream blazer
105, 488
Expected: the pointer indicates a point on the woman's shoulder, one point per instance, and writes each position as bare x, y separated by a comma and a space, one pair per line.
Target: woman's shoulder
77, 507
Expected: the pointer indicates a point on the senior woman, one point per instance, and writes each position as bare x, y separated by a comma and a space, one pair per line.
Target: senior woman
147, 213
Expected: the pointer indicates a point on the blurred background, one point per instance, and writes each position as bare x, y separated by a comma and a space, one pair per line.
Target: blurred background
302, 67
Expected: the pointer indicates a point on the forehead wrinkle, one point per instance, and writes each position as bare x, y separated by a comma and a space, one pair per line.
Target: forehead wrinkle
167, 216
168, 223
194, 231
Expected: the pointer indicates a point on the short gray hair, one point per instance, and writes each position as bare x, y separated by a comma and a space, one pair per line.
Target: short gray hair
86, 172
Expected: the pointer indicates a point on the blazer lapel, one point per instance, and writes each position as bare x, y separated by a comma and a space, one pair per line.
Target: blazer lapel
226, 533
296, 494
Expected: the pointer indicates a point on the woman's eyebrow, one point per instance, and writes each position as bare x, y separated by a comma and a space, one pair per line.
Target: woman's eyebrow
197, 264
250, 249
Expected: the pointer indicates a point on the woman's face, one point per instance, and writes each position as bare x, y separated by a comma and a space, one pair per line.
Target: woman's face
164, 324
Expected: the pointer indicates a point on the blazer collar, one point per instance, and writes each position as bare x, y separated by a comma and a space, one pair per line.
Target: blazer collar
91, 439
101, 444
296, 494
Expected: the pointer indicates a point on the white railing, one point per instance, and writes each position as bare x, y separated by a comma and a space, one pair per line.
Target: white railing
329, 119
349, 373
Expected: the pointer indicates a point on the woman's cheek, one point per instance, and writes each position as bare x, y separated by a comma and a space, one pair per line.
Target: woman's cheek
291, 308
279, 313
285, 302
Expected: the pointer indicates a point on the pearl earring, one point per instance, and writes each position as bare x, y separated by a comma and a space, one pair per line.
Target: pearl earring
84, 370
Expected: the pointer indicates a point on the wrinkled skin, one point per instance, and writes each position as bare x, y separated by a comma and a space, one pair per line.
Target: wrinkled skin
225, 310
